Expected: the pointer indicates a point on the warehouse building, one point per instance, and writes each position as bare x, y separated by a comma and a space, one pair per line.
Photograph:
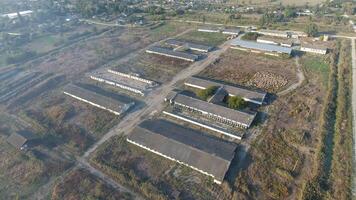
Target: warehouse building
216, 112
203, 153
106, 103
173, 54
189, 45
256, 47
285, 42
124, 81
252, 96
274, 33
312, 48
231, 32
209, 30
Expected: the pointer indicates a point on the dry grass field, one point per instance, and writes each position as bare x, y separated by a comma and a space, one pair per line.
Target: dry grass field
253, 70
80, 184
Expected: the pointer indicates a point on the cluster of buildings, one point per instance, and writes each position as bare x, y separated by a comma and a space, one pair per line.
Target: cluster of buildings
179, 49
129, 82
234, 32
112, 105
200, 151
173, 54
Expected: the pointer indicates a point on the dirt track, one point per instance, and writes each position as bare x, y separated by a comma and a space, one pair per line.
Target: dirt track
154, 102
300, 76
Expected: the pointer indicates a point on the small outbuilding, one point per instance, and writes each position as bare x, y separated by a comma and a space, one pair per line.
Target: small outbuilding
22, 139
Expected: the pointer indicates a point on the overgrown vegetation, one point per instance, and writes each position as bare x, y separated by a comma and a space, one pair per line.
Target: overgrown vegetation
341, 169
80, 184
334, 157
236, 102
206, 93
250, 36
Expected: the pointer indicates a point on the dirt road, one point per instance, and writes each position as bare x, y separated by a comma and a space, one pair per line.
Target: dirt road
300, 76
154, 102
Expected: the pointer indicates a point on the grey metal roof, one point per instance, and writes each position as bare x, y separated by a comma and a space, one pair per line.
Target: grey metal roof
170, 52
277, 39
248, 95
261, 46
189, 45
314, 46
233, 115
194, 148
235, 31
107, 102
20, 138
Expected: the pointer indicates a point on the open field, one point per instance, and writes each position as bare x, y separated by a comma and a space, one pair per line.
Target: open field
211, 39
249, 69
154, 67
22, 173
149, 174
80, 184
284, 154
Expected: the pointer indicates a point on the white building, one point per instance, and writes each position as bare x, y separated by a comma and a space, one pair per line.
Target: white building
314, 48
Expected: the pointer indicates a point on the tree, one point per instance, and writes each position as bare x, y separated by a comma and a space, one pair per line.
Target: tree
290, 13
312, 29
236, 102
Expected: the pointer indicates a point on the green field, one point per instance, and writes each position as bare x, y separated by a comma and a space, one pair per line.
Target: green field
316, 64
213, 39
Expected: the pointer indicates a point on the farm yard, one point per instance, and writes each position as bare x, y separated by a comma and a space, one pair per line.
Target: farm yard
140, 100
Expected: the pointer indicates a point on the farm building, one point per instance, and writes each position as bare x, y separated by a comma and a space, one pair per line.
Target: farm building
15, 14
189, 45
112, 105
21, 139
209, 30
312, 48
275, 41
231, 31
256, 47
173, 54
220, 113
124, 81
274, 33
256, 97
205, 154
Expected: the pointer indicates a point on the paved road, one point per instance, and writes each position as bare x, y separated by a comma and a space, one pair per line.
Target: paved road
300, 76
353, 53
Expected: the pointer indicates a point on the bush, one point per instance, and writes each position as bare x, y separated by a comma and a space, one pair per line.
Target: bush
236, 102
311, 29
206, 93
250, 36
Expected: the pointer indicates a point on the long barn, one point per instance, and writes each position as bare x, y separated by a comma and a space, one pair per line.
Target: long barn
206, 154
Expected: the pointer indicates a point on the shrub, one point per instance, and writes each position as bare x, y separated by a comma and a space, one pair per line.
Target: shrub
236, 102
250, 36
206, 93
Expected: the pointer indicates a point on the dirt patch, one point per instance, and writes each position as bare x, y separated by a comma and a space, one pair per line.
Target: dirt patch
250, 69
